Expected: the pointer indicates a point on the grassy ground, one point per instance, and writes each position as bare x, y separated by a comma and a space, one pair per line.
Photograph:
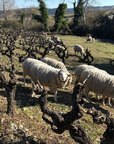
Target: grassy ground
28, 125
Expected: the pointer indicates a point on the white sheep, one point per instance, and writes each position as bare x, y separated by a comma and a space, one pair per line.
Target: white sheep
27, 66
48, 76
55, 38
99, 82
57, 64
79, 49
59, 48
51, 43
91, 39
79, 69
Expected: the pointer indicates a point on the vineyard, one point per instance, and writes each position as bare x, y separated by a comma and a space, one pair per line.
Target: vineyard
20, 114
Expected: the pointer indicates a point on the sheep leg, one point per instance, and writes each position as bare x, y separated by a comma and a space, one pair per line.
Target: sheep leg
109, 101
24, 78
87, 96
103, 101
33, 93
55, 96
97, 97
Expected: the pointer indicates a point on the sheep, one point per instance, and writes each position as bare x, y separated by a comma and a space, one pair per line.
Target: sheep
93, 39
51, 43
79, 69
99, 82
79, 49
59, 48
57, 64
27, 64
55, 38
48, 76
90, 38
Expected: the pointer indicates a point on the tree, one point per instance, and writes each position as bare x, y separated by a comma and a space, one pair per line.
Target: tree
105, 25
78, 12
6, 6
44, 16
22, 15
86, 4
60, 24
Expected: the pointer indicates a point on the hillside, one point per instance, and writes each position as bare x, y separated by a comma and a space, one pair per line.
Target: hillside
52, 10
70, 10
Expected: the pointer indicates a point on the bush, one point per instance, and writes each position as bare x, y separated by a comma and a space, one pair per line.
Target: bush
105, 28
11, 24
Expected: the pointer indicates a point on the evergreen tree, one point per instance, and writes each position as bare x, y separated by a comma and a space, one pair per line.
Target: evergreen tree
60, 23
44, 16
22, 16
78, 12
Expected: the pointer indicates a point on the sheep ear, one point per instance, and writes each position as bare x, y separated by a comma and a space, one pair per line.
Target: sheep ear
69, 75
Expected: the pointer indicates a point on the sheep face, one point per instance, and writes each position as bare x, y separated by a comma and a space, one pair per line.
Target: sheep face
62, 76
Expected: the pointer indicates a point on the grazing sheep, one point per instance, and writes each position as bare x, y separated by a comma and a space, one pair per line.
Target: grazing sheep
55, 38
59, 48
79, 69
90, 39
57, 64
99, 82
51, 43
79, 49
48, 76
93, 39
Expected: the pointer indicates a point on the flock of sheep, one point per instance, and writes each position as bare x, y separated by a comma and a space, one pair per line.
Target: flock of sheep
53, 74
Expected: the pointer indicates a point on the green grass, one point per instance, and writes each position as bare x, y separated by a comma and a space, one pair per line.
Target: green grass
28, 113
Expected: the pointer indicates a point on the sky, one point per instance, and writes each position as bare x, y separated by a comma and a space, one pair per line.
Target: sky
55, 3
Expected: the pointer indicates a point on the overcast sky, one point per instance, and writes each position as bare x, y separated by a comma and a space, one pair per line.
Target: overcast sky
55, 3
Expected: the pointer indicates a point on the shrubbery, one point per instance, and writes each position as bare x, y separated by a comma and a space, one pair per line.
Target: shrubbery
11, 24
100, 24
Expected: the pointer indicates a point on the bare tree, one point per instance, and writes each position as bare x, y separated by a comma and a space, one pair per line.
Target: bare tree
6, 6
86, 4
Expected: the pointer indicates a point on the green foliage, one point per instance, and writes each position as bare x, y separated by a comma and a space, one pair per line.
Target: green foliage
37, 17
60, 24
44, 16
44, 13
106, 25
78, 12
22, 16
